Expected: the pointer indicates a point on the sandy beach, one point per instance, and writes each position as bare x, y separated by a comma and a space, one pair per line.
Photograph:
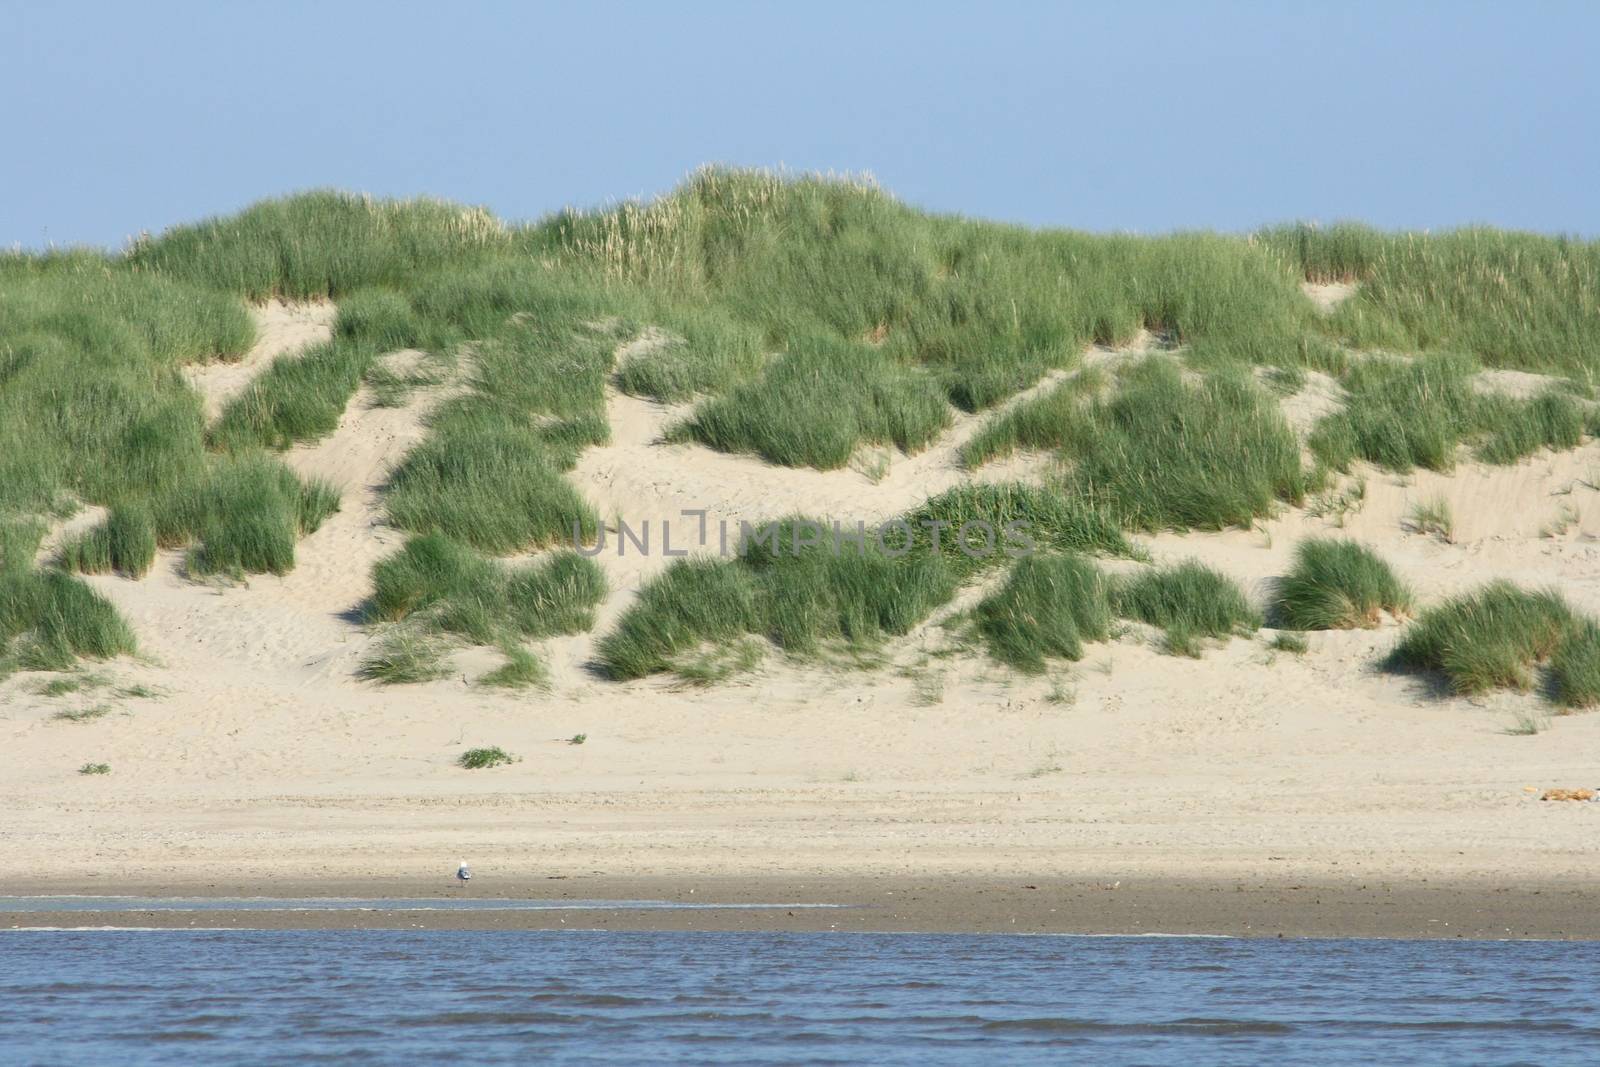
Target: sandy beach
246, 756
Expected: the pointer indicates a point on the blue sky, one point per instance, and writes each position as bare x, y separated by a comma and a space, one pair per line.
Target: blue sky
121, 117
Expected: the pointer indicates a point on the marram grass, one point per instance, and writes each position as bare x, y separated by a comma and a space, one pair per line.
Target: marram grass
803, 318
1338, 584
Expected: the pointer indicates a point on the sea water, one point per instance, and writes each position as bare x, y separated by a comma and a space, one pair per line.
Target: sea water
131, 996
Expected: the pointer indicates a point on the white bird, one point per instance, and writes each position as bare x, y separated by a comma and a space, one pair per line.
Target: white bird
463, 873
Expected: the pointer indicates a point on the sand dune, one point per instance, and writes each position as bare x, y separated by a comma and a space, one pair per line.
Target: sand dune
264, 754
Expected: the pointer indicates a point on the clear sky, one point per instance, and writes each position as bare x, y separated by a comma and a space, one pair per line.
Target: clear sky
122, 117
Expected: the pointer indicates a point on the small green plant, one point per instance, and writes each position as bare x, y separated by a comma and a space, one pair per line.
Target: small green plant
1061, 693
521, 670
1434, 518
476, 759
1287, 641
98, 711
715, 663
1566, 517
95, 768
1337, 584
1338, 504
927, 689
577, 739
1528, 723
72, 683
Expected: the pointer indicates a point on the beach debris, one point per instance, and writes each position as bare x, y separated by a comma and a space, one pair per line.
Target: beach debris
463, 873
1568, 794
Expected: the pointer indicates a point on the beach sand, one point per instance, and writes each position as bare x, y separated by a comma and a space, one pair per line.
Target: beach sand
261, 764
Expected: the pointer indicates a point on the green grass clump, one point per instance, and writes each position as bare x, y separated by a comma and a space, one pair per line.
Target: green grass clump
92, 402
1433, 517
494, 487
1287, 641
1518, 428
95, 768
125, 542
48, 619
704, 350
381, 319
81, 715
818, 401
474, 759
246, 517
810, 588
1038, 518
856, 595
1401, 414
454, 590
521, 670
300, 397
1162, 453
1336, 585
692, 601
1488, 639
406, 655
1419, 412
1575, 666
1048, 607
1188, 603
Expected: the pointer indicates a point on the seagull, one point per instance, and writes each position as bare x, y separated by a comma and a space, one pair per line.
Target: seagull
463, 873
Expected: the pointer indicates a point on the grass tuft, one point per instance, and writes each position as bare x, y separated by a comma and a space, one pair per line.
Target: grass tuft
1188, 602
1048, 606
405, 656
1338, 585
1491, 639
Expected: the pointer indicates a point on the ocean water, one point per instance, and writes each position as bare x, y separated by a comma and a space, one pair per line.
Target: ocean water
381, 996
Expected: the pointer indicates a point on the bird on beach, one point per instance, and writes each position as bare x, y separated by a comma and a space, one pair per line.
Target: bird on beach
463, 873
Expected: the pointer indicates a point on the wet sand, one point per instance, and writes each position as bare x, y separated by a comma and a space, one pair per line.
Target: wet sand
1241, 908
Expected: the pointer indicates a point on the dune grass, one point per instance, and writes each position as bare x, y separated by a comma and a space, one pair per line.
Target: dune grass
1188, 602
1338, 584
459, 592
1420, 412
48, 619
1162, 453
521, 670
692, 601
1575, 666
808, 588
820, 400
125, 542
435, 589
1517, 300
1493, 637
1047, 608
319, 245
806, 317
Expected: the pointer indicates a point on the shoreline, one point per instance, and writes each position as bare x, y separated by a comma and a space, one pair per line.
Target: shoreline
1237, 907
